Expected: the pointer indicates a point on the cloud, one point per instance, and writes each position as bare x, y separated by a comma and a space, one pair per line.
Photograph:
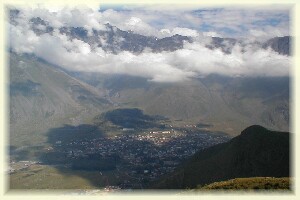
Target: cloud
185, 32
239, 22
180, 65
212, 34
150, 20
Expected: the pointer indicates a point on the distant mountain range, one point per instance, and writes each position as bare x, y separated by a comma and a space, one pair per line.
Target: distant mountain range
116, 40
257, 152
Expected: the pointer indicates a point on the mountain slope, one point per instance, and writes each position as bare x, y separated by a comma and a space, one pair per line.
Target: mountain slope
114, 39
279, 44
43, 97
257, 152
256, 183
229, 104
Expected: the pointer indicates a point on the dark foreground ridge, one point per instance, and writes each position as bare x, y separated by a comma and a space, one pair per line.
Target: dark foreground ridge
257, 152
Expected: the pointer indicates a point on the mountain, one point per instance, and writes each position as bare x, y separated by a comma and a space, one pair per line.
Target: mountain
51, 107
256, 152
42, 97
279, 44
114, 40
227, 103
225, 44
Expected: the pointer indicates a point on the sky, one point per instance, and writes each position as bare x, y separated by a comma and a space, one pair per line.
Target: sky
256, 22
193, 60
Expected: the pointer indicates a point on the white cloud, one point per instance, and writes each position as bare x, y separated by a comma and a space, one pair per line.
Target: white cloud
185, 32
149, 20
267, 32
193, 60
23, 41
133, 21
241, 22
212, 34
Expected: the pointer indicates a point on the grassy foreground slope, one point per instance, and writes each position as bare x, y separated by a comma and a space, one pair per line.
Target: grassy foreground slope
254, 183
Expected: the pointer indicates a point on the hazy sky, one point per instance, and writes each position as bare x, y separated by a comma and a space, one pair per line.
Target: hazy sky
193, 60
248, 22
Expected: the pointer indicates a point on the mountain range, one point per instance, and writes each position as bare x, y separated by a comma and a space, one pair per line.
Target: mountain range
44, 94
112, 39
46, 97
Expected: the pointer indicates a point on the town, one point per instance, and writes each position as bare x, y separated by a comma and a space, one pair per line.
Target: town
131, 159
138, 158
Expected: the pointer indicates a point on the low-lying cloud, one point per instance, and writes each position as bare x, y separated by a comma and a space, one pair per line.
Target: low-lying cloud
193, 60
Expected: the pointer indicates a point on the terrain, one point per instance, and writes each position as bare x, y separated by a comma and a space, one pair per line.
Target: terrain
44, 94
127, 155
42, 97
229, 104
257, 183
257, 152
77, 123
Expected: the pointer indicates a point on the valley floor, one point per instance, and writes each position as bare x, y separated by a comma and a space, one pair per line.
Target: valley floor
130, 159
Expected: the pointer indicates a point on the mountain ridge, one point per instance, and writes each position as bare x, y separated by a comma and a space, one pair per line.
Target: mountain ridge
116, 40
257, 152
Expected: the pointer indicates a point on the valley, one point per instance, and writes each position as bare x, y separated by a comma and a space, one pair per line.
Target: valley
124, 132
135, 156
102, 100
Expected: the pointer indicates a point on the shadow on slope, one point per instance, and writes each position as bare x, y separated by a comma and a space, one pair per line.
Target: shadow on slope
257, 152
132, 118
88, 153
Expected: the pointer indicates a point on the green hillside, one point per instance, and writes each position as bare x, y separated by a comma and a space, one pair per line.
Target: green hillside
257, 152
254, 183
